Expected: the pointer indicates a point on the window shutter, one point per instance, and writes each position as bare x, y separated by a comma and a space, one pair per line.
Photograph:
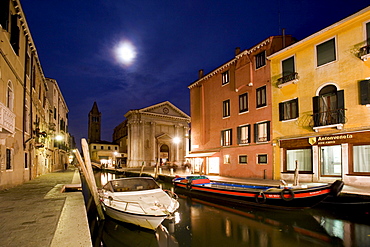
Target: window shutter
326, 52
316, 110
249, 134
341, 110
296, 108
281, 111
288, 66
365, 92
256, 133
268, 130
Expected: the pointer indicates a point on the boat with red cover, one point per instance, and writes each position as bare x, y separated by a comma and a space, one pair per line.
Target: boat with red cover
280, 197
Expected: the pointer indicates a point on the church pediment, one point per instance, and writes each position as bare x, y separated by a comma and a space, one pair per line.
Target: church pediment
165, 109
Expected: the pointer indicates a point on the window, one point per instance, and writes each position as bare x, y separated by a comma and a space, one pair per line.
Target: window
243, 103
328, 107
25, 160
260, 59
262, 132
326, 52
368, 33
225, 78
227, 159
262, 158
14, 33
244, 134
108, 147
226, 137
288, 110
243, 159
226, 108
10, 96
101, 147
303, 158
365, 92
288, 66
8, 159
361, 157
115, 148
261, 96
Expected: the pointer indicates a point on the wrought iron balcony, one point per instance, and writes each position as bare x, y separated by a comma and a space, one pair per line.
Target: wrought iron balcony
329, 118
364, 52
7, 120
287, 79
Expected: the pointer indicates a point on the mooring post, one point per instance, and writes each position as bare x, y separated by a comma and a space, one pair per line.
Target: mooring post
89, 174
296, 174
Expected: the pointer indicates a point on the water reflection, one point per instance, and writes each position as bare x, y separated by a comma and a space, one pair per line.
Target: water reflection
198, 223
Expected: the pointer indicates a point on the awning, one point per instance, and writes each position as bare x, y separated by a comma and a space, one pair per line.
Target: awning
198, 155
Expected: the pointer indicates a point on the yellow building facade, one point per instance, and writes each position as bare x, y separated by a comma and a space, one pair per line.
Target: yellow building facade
321, 97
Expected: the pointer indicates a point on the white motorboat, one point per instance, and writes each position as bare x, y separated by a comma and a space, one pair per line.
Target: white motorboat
138, 200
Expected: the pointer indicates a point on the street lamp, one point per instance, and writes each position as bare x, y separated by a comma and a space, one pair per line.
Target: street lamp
58, 137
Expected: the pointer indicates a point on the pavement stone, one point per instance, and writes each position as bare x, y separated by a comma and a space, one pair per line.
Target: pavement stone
36, 213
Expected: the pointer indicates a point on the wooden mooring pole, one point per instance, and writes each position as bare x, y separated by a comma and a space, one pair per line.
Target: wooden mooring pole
89, 175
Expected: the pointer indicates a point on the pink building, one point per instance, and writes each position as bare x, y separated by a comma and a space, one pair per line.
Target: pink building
231, 114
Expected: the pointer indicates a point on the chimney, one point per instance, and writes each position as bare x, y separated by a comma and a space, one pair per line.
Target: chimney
200, 74
237, 51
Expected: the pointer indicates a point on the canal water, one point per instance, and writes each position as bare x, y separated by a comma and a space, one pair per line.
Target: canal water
199, 223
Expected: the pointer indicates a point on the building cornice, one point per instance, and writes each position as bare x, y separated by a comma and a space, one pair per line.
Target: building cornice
232, 61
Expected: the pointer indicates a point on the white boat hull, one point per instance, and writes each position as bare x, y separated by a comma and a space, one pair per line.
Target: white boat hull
146, 221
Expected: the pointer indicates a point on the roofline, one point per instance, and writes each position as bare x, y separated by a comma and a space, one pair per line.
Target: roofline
321, 32
237, 57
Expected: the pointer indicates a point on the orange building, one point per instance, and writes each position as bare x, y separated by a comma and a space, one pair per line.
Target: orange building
231, 114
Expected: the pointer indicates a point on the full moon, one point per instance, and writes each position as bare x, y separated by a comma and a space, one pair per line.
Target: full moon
125, 52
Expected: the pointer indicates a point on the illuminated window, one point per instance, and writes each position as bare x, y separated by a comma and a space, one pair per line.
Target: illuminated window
262, 132
361, 157
302, 156
288, 110
244, 134
243, 103
227, 159
226, 139
225, 78
226, 108
261, 97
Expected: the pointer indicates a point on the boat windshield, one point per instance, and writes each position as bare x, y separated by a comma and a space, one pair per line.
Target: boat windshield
133, 184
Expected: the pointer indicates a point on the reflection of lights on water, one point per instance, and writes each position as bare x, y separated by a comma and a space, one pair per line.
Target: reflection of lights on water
177, 217
125, 52
105, 177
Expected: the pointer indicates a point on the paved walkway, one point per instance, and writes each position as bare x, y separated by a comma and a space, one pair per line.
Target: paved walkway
37, 213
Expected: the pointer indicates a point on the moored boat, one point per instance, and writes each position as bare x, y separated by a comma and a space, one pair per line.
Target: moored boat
280, 197
138, 200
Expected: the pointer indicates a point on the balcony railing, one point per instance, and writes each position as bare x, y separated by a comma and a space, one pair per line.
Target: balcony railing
287, 79
7, 120
328, 118
364, 52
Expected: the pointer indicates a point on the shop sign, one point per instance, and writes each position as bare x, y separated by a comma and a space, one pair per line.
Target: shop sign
330, 140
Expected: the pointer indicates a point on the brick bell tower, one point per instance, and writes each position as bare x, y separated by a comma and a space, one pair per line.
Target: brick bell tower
94, 124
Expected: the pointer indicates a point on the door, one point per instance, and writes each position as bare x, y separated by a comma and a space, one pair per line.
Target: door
214, 165
331, 160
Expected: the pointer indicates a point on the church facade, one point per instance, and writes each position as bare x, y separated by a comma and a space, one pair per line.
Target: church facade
157, 134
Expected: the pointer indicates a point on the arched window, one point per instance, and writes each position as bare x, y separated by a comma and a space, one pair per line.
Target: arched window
10, 96
328, 107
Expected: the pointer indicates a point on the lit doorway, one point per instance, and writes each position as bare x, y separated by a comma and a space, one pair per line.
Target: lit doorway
331, 160
214, 165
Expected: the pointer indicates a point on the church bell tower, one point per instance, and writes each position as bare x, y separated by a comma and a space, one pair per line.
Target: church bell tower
94, 124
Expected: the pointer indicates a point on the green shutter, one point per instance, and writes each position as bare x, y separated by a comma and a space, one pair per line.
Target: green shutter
326, 52
365, 92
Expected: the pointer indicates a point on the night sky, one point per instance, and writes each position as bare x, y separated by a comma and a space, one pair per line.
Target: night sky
76, 41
